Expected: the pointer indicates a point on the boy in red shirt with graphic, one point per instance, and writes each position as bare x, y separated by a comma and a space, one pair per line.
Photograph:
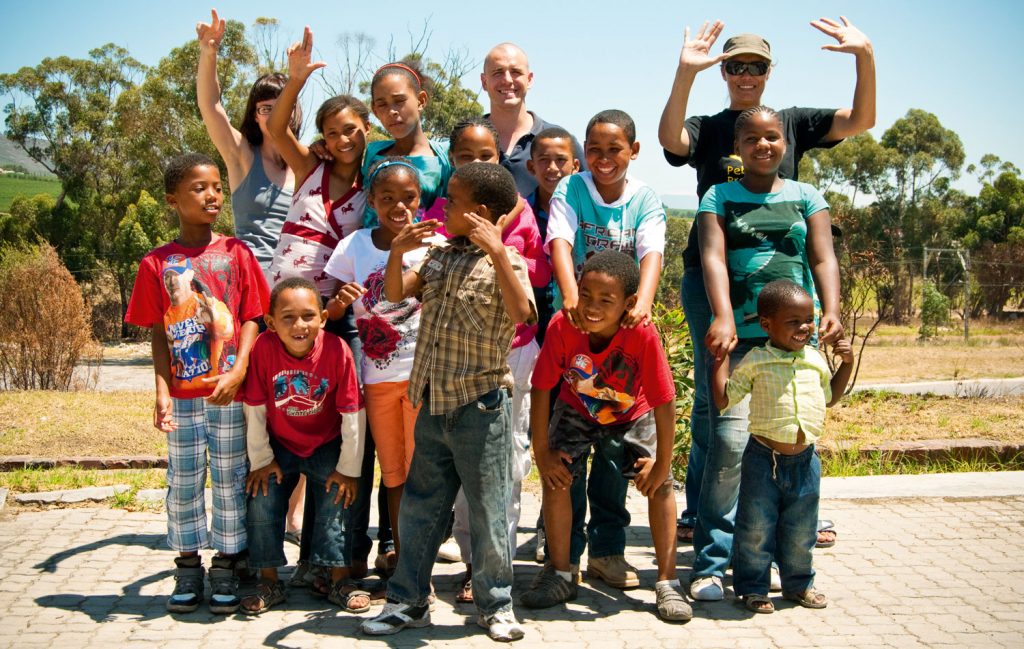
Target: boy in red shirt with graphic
617, 386
201, 294
304, 415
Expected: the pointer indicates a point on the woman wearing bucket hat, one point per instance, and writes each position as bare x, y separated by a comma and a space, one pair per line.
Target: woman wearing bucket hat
706, 143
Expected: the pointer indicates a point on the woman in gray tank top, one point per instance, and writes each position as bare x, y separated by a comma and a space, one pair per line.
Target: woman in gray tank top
261, 183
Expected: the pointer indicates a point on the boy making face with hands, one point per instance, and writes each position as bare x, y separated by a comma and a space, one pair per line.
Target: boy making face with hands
473, 290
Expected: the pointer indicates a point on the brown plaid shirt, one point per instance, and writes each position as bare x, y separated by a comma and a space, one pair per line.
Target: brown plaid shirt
465, 333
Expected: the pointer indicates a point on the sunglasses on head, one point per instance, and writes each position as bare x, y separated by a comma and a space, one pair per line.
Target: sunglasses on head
753, 68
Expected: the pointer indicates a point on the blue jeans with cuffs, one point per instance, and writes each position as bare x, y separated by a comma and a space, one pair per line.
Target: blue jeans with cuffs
777, 517
471, 447
332, 530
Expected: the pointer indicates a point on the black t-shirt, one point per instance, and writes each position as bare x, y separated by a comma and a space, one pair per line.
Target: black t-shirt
712, 152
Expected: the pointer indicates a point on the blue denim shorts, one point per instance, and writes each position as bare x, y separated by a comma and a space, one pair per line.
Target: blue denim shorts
573, 433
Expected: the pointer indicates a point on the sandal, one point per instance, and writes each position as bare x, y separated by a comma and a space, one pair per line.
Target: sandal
268, 594
810, 598
464, 595
826, 534
347, 594
672, 606
758, 604
684, 533
378, 589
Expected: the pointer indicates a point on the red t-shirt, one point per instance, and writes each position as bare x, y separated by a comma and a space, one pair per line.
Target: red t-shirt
628, 379
305, 397
201, 297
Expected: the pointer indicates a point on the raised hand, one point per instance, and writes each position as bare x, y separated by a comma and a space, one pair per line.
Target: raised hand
485, 234
850, 39
210, 34
696, 54
412, 236
300, 55
349, 293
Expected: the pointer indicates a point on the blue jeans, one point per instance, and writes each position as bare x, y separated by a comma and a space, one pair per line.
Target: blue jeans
777, 516
720, 486
606, 492
471, 447
698, 320
332, 531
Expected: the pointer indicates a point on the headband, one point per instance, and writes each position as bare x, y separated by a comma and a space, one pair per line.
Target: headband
391, 163
419, 81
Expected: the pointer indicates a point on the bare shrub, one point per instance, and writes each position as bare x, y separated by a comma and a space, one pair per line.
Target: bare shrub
44, 321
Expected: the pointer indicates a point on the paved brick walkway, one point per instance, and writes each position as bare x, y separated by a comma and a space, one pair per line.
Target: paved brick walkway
905, 573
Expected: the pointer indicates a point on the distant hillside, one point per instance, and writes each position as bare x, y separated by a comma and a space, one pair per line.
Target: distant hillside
12, 154
683, 214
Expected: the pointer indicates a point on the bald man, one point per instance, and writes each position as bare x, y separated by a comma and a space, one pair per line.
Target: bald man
506, 79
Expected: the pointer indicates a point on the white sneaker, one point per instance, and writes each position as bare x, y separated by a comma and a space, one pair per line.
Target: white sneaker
501, 626
775, 585
707, 589
396, 617
450, 552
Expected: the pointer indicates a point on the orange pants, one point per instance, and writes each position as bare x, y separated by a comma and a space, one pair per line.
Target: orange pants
392, 419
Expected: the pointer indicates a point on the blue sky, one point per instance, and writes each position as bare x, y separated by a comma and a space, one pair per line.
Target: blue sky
952, 59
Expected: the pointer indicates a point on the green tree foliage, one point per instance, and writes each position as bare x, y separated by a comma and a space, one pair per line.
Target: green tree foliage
28, 219
677, 231
144, 227
934, 310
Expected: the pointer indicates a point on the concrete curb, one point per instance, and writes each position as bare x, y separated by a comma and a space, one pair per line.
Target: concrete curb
13, 462
933, 449
961, 449
93, 494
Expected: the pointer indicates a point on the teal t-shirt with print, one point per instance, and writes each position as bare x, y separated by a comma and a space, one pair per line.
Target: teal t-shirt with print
434, 173
765, 240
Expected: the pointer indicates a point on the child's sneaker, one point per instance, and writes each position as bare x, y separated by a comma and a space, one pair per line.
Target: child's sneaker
501, 626
613, 570
396, 617
707, 589
549, 589
223, 586
188, 585
672, 606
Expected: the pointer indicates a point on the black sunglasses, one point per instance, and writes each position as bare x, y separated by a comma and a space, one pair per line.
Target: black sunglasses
753, 68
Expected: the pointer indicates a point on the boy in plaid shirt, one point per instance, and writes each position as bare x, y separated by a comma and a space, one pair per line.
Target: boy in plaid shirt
474, 290
789, 385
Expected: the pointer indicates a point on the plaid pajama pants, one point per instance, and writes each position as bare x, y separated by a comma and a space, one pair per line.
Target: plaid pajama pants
221, 430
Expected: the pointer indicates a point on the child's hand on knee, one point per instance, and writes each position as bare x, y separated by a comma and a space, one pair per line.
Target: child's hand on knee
259, 480
347, 488
649, 476
552, 464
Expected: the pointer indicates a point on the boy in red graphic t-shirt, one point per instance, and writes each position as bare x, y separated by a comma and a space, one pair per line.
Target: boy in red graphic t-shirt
201, 294
617, 386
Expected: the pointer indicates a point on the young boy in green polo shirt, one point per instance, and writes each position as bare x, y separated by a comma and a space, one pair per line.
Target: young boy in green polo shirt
790, 385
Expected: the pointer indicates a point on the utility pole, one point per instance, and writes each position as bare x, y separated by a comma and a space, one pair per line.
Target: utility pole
965, 261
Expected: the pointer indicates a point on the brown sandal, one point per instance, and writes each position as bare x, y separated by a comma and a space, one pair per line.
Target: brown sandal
268, 594
810, 598
346, 594
758, 604
464, 595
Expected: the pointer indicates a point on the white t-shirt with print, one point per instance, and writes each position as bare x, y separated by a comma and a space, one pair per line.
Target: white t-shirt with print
387, 329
